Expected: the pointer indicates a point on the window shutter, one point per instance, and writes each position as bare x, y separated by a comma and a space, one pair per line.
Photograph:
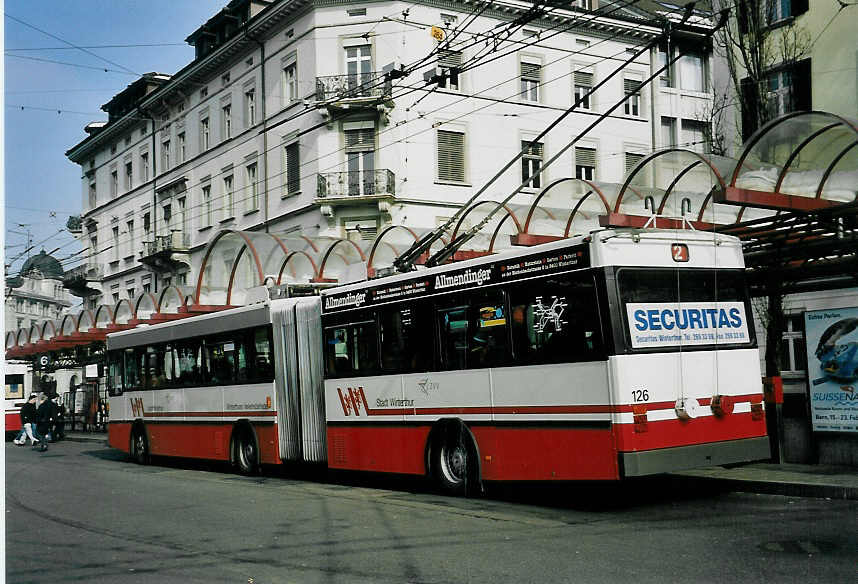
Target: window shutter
584, 79
800, 86
798, 7
585, 157
631, 86
451, 156
293, 166
449, 59
749, 104
632, 160
530, 70
362, 139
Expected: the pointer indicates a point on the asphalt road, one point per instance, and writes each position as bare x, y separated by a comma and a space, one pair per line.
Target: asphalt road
84, 513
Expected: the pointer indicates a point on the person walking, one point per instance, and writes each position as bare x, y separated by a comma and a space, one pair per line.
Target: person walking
44, 415
29, 415
58, 429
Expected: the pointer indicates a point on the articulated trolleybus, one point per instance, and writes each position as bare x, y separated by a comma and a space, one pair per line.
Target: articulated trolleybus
619, 354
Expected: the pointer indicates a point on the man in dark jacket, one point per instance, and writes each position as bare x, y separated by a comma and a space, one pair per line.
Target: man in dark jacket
29, 416
44, 415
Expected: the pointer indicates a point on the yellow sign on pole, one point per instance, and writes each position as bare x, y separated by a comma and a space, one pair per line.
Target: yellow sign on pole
437, 33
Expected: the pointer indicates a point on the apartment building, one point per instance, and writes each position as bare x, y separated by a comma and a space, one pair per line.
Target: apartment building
36, 295
337, 119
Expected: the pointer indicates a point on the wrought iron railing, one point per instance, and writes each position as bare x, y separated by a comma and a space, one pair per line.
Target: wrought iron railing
175, 241
83, 273
356, 184
352, 86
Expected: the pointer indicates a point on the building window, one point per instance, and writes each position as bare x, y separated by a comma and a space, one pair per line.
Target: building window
181, 152
583, 4
204, 134
531, 162
129, 228
165, 154
358, 69
778, 94
290, 83
632, 90
144, 167
116, 243
147, 225
226, 122
168, 218
93, 195
450, 63
530, 78
249, 107
252, 187
360, 160
665, 78
583, 85
585, 163
129, 176
293, 169
183, 216
147, 287
207, 206
228, 211
692, 72
114, 183
668, 132
130, 292
451, 156
632, 160
793, 348
695, 135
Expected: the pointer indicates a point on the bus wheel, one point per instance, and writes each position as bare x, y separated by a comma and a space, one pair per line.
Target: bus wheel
452, 462
245, 453
139, 446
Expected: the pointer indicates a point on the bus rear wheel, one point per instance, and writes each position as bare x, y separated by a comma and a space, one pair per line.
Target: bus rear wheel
245, 453
139, 446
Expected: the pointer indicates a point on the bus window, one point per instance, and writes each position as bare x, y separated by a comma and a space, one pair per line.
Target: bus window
264, 364
489, 344
555, 320
189, 354
131, 370
114, 374
220, 361
351, 349
453, 337
242, 375
405, 348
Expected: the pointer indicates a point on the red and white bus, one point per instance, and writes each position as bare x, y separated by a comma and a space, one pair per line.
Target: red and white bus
619, 354
19, 385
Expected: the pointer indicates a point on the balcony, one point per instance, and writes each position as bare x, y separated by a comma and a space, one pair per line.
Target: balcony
166, 252
84, 280
354, 92
349, 188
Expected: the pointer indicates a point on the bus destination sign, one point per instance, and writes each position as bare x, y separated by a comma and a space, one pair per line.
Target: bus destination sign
510, 270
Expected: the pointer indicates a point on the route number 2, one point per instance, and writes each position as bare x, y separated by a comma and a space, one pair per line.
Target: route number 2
640, 395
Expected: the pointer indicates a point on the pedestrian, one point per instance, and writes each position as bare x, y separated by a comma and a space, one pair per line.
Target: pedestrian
58, 429
44, 415
29, 415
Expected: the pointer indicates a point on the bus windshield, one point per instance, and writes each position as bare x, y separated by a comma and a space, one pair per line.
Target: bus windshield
665, 308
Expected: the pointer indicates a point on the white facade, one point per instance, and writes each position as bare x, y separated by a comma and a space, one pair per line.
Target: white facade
243, 140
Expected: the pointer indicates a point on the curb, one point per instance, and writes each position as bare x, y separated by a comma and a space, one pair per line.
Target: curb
790, 489
94, 439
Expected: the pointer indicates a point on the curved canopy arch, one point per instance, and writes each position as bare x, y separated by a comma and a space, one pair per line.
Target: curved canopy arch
22, 337
11, 340
68, 325
299, 266
146, 306
339, 260
218, 267
804, 155
85, 321
49, 330
124, 311
564, 202
486, 239
35, 333
104, 316
171, 300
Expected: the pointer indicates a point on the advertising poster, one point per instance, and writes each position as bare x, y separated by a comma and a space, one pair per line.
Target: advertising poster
832, 368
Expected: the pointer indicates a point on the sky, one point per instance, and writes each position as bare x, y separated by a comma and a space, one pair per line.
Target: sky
55, 56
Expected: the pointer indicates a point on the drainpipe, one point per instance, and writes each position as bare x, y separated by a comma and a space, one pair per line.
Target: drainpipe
154, 194
264, 126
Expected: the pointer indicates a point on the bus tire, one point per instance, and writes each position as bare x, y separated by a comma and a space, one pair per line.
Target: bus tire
245, 452
454, 461
140, 445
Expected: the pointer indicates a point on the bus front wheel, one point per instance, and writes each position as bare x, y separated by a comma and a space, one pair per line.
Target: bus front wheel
453, 462
139, 446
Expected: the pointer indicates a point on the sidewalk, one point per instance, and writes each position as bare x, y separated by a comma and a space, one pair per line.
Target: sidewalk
796, 480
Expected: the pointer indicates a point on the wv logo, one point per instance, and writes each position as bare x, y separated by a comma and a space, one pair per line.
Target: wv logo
137, 407
353, 400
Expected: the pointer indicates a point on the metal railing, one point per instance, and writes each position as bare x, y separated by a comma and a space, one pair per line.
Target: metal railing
356, 184
364, 85
175, 241
84, 272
